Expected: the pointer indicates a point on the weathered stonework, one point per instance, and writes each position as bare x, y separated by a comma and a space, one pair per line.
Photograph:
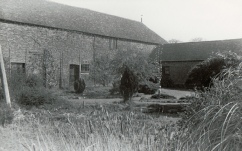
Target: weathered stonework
50, 52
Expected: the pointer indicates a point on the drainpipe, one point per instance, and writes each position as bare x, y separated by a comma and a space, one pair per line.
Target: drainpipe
160, 64
94, 60
61, 65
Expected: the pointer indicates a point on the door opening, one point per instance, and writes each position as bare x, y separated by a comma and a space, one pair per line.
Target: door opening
74, 74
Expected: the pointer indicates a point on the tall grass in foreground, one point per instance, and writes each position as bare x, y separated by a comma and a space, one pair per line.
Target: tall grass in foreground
214, 119
99, 128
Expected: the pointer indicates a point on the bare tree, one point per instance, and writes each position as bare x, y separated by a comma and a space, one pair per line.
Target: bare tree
197, 39
173, 41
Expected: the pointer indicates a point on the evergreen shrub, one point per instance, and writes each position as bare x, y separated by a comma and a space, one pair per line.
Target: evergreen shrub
129, 84
79, 85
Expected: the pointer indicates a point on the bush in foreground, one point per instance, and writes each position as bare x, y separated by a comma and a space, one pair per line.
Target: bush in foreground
30, 91
213, 120
35, 96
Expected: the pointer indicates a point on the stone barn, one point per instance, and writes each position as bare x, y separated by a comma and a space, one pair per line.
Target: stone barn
177, 59
59, 42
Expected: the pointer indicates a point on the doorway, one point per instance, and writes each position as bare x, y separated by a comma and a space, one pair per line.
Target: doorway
74, 74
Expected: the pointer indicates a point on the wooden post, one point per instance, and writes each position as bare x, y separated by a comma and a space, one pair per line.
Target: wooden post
4, 79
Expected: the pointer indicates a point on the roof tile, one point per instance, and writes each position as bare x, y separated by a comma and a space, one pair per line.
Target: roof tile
50, 14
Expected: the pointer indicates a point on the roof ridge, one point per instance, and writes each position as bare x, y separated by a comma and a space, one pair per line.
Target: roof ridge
92, 11
223, 40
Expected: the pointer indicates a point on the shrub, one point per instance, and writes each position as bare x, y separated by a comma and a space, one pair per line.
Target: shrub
34, 81
166, 82
148, 87
213, 119
202, 74
16, 82
79, 85
30, 91
35, 96
101, 70
115, 89
129, 84
154, 79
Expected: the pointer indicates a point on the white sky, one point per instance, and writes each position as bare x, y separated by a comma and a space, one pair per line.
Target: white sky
176, 19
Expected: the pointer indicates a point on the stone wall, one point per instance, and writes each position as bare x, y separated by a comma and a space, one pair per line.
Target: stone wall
50, 52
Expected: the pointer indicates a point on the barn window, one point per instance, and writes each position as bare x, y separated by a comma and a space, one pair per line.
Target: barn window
18, 67
112, 44
166, 70
85, 66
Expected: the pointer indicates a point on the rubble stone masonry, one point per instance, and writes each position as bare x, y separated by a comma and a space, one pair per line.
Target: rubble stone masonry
50, 52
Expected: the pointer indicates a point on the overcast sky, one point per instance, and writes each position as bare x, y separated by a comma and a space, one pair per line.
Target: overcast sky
176, 19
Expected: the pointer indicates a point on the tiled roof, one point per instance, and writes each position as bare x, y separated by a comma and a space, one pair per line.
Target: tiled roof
50, 14
193, 51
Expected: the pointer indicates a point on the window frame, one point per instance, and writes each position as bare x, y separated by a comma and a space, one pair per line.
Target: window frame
166, 70
85, 67
19, 66
113, 43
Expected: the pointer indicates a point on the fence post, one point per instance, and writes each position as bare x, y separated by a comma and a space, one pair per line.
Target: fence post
4, 79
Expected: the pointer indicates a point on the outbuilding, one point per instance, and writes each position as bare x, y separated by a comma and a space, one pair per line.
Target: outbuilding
178, 59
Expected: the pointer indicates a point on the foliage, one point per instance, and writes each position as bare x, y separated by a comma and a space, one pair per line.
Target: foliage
98, 92
100, 70
115, 87
201, 75
6, 114
107, 68
148, 87
35, 96
166, 82
50, 69
213, 119
129, 84
137, 62
79, 85
19, 81
29, 90
33, 81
